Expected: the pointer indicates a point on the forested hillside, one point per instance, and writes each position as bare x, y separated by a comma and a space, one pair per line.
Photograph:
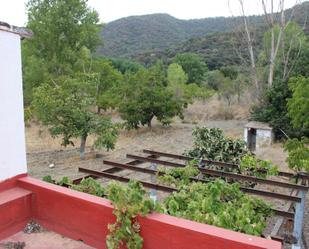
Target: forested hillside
133, 36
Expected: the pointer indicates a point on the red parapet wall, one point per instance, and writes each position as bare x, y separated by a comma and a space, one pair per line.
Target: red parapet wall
84, 217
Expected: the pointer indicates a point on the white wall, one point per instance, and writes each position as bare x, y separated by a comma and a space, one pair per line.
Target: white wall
246, 135
12, 135
263, 138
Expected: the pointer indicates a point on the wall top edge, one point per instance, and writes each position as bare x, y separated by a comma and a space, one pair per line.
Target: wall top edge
21, 31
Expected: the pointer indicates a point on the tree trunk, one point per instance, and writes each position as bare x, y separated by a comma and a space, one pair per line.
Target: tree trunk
82, 147
250, 49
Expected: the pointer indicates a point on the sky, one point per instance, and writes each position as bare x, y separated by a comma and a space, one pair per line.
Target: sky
13, 11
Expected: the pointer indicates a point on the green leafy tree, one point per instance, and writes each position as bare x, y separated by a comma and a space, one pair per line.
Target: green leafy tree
193, 65
298, 105
183, 92
292, 58
124, 65
176, 75
62, 30
106, 79
144, 95
66, 109
298, 158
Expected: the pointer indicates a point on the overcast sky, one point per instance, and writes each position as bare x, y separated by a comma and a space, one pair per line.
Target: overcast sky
13, 11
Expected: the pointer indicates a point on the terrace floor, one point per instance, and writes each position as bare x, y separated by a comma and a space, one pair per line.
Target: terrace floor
41, 240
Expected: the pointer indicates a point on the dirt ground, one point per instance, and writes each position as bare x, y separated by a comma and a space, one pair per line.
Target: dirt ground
44, 151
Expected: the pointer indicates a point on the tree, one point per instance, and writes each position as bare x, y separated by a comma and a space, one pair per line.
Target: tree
193, 65
62, 31
291, 46
298, 105
183, 92
278, 46
215, 79
66, 109
105, 77
144, 95
176, 75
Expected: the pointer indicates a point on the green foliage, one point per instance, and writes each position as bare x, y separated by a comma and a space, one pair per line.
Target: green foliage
229, 71
62, 29
176, 75
125, 65
273, 110
49, 179
215, 79
250, 165
28, 114
89, 186
298, 105
183, 92
66, 109
178, 176
129, 202
144, 95
220, 204
211, 144
291, 46
107, 80
298, 158
65, 181
273, 107
160, 36
193, 65
301, 66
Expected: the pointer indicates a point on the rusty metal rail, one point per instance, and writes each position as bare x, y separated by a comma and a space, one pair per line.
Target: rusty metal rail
111, 170
218, 173
243, 189
99, 174
230, 165
160, 187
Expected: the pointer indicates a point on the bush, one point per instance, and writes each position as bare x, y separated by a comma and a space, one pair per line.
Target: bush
211, 144
298, 158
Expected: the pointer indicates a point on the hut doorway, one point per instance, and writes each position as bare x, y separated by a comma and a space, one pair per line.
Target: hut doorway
251, 139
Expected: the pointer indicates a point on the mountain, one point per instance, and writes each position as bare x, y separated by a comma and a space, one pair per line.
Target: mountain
133, 36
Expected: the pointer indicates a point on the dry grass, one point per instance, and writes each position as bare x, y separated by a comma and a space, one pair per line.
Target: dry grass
217, 109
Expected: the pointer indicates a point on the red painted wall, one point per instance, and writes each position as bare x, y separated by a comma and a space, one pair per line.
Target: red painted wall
85, 217
10, 183
15, 209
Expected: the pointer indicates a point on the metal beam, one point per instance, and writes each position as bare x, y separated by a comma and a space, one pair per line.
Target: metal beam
225, 174
243, 189
111, 170
125, 179
186, 158
161, 187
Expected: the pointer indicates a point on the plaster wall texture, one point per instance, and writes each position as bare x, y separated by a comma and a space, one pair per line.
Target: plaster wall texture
12, 131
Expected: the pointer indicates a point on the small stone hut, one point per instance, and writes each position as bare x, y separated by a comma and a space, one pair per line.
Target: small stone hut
258, 134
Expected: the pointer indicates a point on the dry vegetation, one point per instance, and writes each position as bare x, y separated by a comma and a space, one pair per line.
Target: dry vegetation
43, 150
